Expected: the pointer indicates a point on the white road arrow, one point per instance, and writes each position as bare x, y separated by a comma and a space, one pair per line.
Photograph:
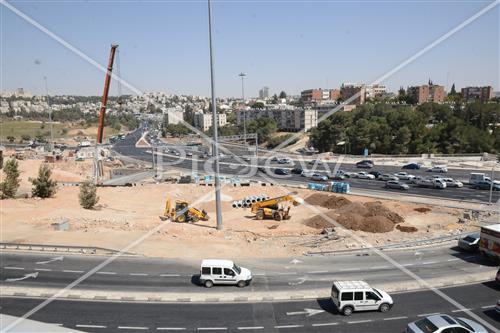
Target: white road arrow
50, 260
307, 312
299, 281
295, 261
26, 276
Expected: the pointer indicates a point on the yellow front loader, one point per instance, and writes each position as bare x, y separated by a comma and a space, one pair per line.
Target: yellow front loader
182, 212
273, 208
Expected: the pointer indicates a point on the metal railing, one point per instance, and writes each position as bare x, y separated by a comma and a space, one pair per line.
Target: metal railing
75, 249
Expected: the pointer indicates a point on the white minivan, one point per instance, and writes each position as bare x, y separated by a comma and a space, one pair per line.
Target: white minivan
350, 296
217, 271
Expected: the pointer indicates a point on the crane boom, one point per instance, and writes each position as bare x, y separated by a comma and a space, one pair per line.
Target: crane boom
104, 102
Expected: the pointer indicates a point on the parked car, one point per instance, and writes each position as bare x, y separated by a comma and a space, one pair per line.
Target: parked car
363, 175
444, 324
404, 176
297, 171
386, 177
307, 174
470, 242
319, 177
350, 296
450, 182
439, 169
395, 184
215, 271
282, 172
412, 166
375, 173
364, 165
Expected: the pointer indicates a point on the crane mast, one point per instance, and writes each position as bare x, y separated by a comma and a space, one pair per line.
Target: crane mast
104, 101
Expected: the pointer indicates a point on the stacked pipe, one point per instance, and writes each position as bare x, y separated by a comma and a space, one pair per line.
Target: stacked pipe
248, 201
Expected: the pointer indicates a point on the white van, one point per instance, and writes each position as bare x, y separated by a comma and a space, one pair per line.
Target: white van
476, 177
350, 296
216, 271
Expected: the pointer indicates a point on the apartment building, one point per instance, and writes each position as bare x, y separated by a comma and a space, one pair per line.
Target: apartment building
353, 93
264, 93
482, 94
375, 90
173, 115
203, 121
426, 93
287, 118
318, 95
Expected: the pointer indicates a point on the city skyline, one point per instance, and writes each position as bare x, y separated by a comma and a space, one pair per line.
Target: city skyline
167, 49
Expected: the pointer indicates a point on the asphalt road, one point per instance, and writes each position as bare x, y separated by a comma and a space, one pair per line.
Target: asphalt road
285, 274
260, 317
231, 166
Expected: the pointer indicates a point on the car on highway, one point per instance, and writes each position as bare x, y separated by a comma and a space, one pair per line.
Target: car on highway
284, 161
350, 296
437, 183
317, 162
386, 177
497, 277
363, 175
217, 271
365, 164
404, 176
189, 154
397, 185
282, 172
307, 173
450, 182
415, 179
345, 173
438, 169
319, 177
412, 166
441, 323
486, 185
469, 242
497, 307
297, 171
336, 176
375, 173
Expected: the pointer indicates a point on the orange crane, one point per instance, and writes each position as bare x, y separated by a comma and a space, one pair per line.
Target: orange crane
104, 101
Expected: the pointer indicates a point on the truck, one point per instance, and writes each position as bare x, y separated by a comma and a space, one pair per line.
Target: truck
489, 241
476, 177
431, 183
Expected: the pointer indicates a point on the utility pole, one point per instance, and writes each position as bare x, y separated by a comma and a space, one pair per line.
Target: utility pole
215, 124
50, 114
492, 180
242, 75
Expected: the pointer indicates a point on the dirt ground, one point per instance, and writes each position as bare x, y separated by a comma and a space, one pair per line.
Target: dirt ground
125, 214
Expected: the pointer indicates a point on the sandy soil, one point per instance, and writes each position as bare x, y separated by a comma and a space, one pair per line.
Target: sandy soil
125, 214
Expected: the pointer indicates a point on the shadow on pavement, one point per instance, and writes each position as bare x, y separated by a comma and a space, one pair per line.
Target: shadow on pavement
472, 257
327, 305
492, 314
492, 284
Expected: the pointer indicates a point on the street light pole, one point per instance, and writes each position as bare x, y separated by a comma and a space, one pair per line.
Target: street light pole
492, 180
50, 114
215, 123
242, 75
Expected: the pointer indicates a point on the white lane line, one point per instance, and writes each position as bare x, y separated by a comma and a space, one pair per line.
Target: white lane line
396, 318
288, 326
487, 307
12, 267
359, 321
289, 273
170, 275
133, 327
71, 271
462, 310
317, 272
379, 267
406, 265
428, 314
43, 269
259, 274
106, 273
170, 328
212, 328
349, 269
429, 263
90, 326
454, 259
325, 324
251, 328
139, 274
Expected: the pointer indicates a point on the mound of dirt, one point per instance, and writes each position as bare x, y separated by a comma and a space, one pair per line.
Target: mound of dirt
318, 222
329, 201
422, 209
374, 224
377, 209
405, 228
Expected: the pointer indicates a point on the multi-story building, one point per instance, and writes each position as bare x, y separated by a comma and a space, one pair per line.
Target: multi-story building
318, 95
286, 118
264, 93
203, 121
426, 93
375, 90
482, 94
173, 115
334, 94
353, 93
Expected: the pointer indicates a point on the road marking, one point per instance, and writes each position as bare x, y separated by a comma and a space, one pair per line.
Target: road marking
396, 318
379, 267
462, 310
251, 328
90, 326
325, 324
132, 327
43, 269
317, 272
289, 273
259, 274
288, 326
212, 328
169, 274
348, 269
359, 321
106, 273
428, 314
170, 328
71, 271
406, 265
428, 263
487, 307
11, 267
454, 259
139, 274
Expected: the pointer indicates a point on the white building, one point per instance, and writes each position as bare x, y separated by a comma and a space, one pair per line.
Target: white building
203, 121
286, 118
173, 115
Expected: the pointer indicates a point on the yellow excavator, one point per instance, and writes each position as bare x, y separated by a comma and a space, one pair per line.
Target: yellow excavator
273, 208
183, 212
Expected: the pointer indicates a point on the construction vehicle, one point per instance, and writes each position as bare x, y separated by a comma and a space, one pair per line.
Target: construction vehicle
183, 212
274, 208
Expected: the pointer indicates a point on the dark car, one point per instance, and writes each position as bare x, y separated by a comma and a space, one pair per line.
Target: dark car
486, 185
297, 171
282, 172
412, 166
375, 173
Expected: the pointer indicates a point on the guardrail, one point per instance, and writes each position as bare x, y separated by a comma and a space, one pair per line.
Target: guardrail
75, 249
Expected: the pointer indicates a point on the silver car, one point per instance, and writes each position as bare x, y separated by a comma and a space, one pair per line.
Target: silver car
387, 177
444, 324
395, 184
469, 242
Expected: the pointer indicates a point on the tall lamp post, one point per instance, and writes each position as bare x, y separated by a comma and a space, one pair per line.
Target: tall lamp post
215, 123
492, 182
50, 114
242, 75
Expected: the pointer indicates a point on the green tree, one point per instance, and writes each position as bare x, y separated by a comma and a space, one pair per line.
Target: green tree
43, 185
11, 139
9, 186
282, 94
88, 195
258, 105
453, 92
25, 137
264, 127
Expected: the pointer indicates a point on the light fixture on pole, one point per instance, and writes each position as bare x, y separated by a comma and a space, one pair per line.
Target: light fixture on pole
242, 75
215, 123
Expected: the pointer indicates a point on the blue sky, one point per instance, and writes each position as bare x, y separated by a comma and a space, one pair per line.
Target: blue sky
286, 45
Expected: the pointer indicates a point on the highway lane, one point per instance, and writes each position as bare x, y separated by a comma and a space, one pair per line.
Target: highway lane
231, 166
166, 275
260, 317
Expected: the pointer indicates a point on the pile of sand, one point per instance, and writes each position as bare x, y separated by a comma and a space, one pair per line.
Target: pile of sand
327, 201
